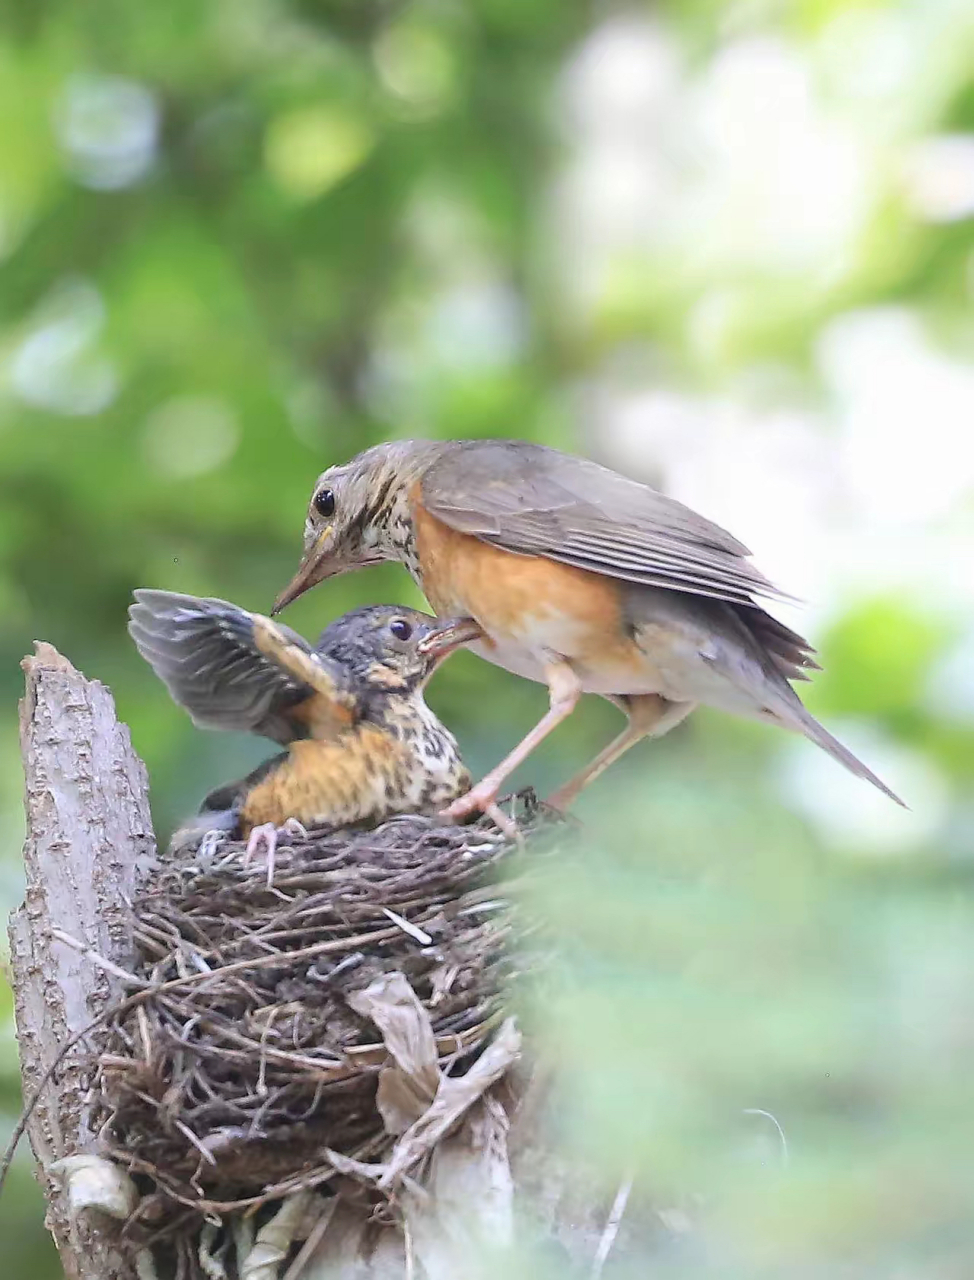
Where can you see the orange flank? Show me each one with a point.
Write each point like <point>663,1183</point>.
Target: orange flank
<point>327,781</point>
<point>578,577</point>
<point>575,613</point>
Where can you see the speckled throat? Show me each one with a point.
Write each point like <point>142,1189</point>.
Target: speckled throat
<point>397,534</point>
<point>389,523</point>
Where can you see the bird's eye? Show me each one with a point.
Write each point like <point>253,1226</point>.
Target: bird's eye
<point>400,628</point>
<point>324,502</point>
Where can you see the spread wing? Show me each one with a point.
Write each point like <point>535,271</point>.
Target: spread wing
<point>236,670</point>
<point>537,501</point>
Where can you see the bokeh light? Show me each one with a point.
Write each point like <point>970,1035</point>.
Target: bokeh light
<point>727,249</point>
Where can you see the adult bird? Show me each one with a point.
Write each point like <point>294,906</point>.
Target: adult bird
<point>579,578</point>
<point>361,743</point>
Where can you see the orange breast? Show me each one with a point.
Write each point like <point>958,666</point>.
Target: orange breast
<point>350,780</point>
<point>528,602</point>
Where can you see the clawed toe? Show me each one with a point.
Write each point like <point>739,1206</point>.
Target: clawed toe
<point>460,809</point>
<point>505,825</point>
<point>483,801</point>
<point>561,800</point>
<point>269,835</point>
<point>476,800</point>
<point>265,834</point>
<point>211,841</point>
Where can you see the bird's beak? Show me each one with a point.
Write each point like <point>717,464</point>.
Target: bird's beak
<point>448,635</point>
<point>315,566</point>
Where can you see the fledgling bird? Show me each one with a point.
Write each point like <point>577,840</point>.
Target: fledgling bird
<point>362,745</point>
<point>579,578</point>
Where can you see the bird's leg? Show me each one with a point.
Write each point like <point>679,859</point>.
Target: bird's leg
<point>650,716</point>
<point>505,825</point>
<point>564,691</point>
<point>269,834</point>
<point>265,834</point>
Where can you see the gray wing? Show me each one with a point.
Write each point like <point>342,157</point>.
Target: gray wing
<point>537,501</point>
<point>235,670</point>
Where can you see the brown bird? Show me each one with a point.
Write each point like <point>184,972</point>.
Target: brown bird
<point>361,742</point>
<point>579,578</point>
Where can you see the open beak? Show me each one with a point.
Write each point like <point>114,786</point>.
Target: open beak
<point>448,635</point>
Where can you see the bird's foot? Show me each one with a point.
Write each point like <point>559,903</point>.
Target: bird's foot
<point>473,801</point>
<point>208,846</point>
<point>270,835</point>
<point>505,825</point>
<point>562,799</point>
<point>265,834</point>
<point>483,799</point>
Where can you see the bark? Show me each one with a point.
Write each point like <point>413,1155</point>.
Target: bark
<point>89,842</point>
<point>89,847</point>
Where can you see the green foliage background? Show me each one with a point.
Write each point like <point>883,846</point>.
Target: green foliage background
<point>226,232</point>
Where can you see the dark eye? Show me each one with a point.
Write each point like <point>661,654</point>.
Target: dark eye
<point>324,502</point>
<point>400,628</point>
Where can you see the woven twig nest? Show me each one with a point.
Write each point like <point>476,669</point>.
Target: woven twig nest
<point>331,1025</point>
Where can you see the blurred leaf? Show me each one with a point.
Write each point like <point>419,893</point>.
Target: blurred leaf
<point>244,240</point>
<point>878,656</point>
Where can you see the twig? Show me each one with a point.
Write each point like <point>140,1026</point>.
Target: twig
<point>410,1252</point>
<point>757,1111</point>
<point>190,1136</point>
<point>91,954</point>
<point>45,1080</point>
<point>314,1239</point>
<point>413,930</point>
<point>611,1229</point>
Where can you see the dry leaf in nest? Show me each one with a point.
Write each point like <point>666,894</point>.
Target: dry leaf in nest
<point>340,1021</point>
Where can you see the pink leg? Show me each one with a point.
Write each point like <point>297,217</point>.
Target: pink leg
<point>564,689</point>
<point>265,834</point>
<point>650,716</point>
<point>505,825</point>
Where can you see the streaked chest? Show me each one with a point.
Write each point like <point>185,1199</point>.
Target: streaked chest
<point>438,773</point>
<point>364,777</point>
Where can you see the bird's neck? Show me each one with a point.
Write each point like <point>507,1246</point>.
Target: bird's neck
<point>391,531</point>
<point>405,714</point>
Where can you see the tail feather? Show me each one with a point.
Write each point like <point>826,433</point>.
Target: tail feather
<point>817,733</point>
<point>783,657</point>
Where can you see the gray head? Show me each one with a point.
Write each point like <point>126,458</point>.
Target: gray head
<point>393,648</point>
<point>358,512</point>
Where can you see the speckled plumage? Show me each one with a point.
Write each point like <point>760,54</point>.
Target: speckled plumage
<point>579,577</point>
<point>361,742</point>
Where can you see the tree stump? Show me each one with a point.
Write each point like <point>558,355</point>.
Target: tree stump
<point>89,845</point>
<point>89,853</point>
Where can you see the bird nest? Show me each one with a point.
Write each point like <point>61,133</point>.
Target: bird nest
<point>331,1024</point>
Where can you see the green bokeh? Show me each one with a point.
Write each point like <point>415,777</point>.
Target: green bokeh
<point>183,347</point>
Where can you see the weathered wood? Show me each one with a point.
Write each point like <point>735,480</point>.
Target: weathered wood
<point>89,846</point>
<point>89,841</point>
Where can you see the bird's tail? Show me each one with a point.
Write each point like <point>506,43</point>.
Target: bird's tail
<point>803,720</point>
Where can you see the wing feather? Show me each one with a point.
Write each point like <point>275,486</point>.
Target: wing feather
<point>235,670</point>
<point>533,500</point>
